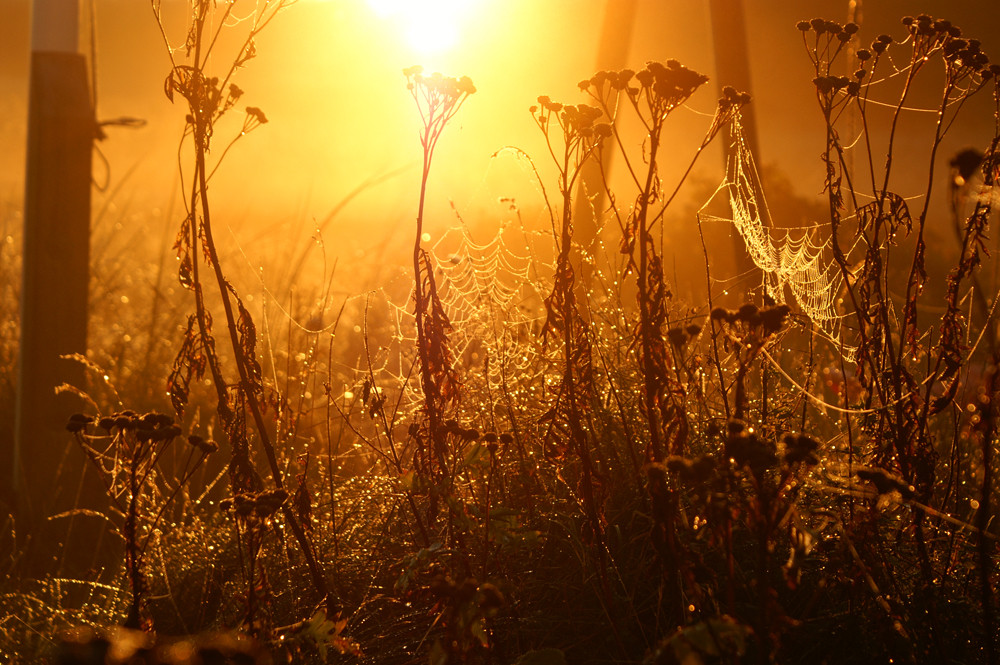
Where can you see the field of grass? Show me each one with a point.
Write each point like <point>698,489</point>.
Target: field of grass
<point>534,448</point>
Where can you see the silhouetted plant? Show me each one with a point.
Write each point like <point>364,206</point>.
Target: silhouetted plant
<point>651,480</point>
<point>910,383</point>
<point>438,99</point>
<point>572,136</point>
<point>127,458</point>
<point>652,94</point>
<point>209,99</point>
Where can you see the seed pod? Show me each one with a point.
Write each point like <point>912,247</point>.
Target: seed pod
<point>78,422</point>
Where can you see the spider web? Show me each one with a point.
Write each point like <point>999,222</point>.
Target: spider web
<point>492,301</point>
<point>793,261</point>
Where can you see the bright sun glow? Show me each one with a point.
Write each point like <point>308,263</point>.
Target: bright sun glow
<point>429,26</point>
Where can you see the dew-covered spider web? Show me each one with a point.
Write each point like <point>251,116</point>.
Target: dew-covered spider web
<point>492,300</point>
<point>795,261</point>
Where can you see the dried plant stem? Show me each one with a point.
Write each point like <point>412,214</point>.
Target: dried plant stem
<point>207,103</point>
<point>133,559</point>
<point>316,573</point>
<point>431,405</point>
<point>650,337</point>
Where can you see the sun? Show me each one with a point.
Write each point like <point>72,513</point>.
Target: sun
<point>428,26</point>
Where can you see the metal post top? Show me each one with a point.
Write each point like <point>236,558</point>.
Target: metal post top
<point>55,26</point>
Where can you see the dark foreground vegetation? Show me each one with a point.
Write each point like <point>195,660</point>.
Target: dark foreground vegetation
<point>560,459</point>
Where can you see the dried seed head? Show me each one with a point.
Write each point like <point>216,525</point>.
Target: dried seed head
<point>800,448</point>
<point>255,113</point>
<point>748,312</point>
<point>749,450</point>
<point>677,337</point>
<point>78,422</point>
<point>885,482</point>
<point>205,446</point>
<point>603,130</point>
<point>773,318</point>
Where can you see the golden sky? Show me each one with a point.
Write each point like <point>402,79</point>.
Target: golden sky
<point>329,77</point>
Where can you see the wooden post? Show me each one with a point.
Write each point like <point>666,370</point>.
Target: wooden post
<point>732,68</point>
<point>855,14</point>
<point>612,54</point>
<point>45,475</point>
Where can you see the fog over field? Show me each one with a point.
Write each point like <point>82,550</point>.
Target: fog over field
<point>501,332</point>
<point>328,76</point>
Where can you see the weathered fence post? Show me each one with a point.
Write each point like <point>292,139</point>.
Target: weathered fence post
<point>732,68</point>
<point>56,255</point>
<point>612,53</point>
